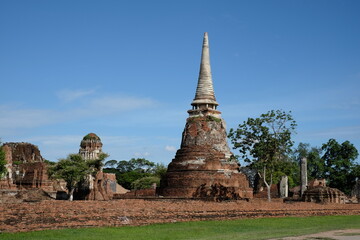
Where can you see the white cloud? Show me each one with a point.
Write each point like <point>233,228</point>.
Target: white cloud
<point>118,104</point>
<point>57,146</point>
<point>141,154</point>
<point>170,148</point>
<point>349,132</point>
<point>56,141</point>
<point>11,117</point>
<point>71,95</point>
<point>120,140</point>
<point>16,117</point>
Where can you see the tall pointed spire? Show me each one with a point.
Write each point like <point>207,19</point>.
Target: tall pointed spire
<point>205,90</point>
<point>203,162</point>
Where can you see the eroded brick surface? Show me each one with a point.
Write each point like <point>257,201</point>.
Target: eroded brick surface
<point>64,214</point>
<point>25,167</point>
<point>203,167</point>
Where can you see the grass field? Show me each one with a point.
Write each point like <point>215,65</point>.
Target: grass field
<point>262,228</point>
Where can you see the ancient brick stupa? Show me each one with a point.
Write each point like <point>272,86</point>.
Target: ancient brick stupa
<point>90,147</point>
<point>203,166</point>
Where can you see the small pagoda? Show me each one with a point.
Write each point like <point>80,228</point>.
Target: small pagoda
<point>204,166</point>
<point>90,147</point>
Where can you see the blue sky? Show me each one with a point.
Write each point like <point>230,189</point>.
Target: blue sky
<point>127,70</point>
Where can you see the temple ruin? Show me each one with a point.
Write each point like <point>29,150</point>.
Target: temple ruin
<point>102,186</point>
<point>204,166</point>
<point>323,194</point>
<point>90,147</point>
<point>25,167</point>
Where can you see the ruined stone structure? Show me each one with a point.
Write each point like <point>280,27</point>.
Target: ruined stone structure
<point>284,187</point>
<point>102,186</point>
<point>321,194</point>
<point>7,180</point>
<point>25,167</point>
<point>356,191</point>
<point>303,176</point>
<point>203,166</point>
<point>90,147</point>
<point>317,183</point>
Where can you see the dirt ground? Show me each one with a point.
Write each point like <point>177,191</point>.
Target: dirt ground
<point>51,214</point>
<point>347,234</point>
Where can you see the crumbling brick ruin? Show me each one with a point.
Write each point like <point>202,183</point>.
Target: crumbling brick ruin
<point>103,188</point>
<point>26,168</point>
<point>90,147</point>
<point>321,194</point>
<point>204,166</point>
<point>103,185</point>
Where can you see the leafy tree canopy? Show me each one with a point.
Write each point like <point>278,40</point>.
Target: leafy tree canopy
<point>340,166</point>
<point>111,163</point>
<point>75,169</point>
<point>2,161</point>
<point>145,182</point>
<point>127,172</point>
<point>334,162</point>
<point>265,142</point>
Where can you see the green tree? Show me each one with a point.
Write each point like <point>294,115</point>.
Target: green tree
<point>287,167</point>
<point>127,178</point>
<point>145,182</point>
<point>74,169</point>
<point>2,162</point>
<point>127,172</point>
<point>334,162</point>
<point>315,165</point>
<point>340,166</point>
<point>124,166</point>
<point>160,170</point>
<point>134,169</point>
<point>141,165</point>
<point>95,165</point>
<point>265,142</point>
<point>111,163</point>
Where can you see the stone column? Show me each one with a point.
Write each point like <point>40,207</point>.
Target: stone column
<point>284,187</point>
<point>303,175</point>
<point>356,190</point>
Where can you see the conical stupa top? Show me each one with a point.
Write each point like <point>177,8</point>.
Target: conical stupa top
<point>205,90</point>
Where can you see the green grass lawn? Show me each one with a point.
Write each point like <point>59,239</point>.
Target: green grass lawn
<point>262,228</point>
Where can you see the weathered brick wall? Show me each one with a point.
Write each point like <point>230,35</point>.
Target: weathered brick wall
<point>65,214</point>
<point>26,167</point>
<point>103,187</point>
<point>322,194</point>
<point>274,192</point>
<point>202,166</point>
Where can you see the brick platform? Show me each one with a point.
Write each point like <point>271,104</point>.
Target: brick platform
<point>64,214</point>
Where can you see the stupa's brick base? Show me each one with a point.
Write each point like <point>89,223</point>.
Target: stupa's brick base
<point>206,184</point>
<point>202,167</point>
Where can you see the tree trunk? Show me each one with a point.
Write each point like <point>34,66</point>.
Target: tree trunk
<point>71,194</point>
<point>267,185</point>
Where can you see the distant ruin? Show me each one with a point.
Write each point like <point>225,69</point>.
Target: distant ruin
<point>90,147</point>
<point>102,186</point>
<point>27,175</point>
<point>322,194</point>
<point>26,168</point>
<point>204,167</point>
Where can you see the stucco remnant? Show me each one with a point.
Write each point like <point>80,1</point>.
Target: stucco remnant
<point>204,166</point>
